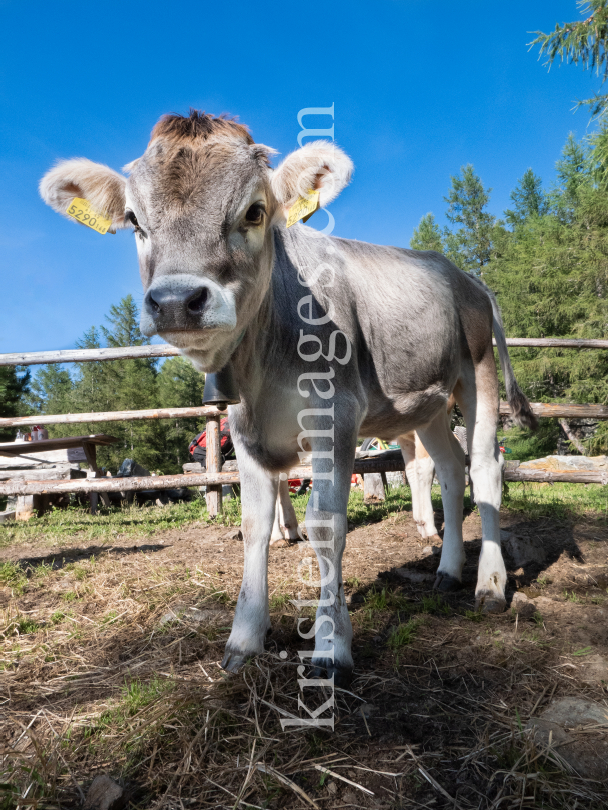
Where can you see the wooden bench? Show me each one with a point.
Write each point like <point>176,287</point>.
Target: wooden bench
<point>50,461</point>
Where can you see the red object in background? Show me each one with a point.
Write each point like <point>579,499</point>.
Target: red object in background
<point>296,483</point>
<point>201,439</point>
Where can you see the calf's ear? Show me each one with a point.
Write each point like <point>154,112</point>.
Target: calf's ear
<point>101,186</point>
<point>318,165</point>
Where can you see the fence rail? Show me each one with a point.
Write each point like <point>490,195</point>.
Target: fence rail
<point>562,410</point>
<point>110,416</point>
<point>133,352</point>
<point>86,355</point>
<point>213,479</point>
<point>546,410</point>
<point>219,479</point>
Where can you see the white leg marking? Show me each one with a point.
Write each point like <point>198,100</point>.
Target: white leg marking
<point>251,617</point>
<point>277,533</point>
<point>425,468</point>
<point>408,451</point>
<point>479,406</point>
<point>326,525</point>
<point>450,471</point>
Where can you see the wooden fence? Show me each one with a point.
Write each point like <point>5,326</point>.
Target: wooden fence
<point>214,478</point>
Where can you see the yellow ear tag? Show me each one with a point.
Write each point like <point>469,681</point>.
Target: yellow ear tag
<point>81,210</point>
<point>303,208</point>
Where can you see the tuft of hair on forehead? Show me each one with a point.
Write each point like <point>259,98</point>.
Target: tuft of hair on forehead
<point>198,126</point>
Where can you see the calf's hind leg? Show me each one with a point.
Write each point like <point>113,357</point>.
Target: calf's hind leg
<point>478,400</point>
<point>420,471</point>
<point>438,440</point>
<point>285,528</point>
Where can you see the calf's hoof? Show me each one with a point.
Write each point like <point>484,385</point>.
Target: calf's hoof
<point>488,602</point>
<point>324,668</point>
<point>234,660</point>
<point>446,582</point>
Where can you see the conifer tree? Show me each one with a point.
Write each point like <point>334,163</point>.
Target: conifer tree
<point>124,385</point>
<point>551,279</point>
<point>427,235</point>
<point>573,171</point>
<point>529,199</point>
<point>470,246</point>
<point>52,391</point>
<point>180,385</point>
<point>14,382</point>
<point>108,386</point>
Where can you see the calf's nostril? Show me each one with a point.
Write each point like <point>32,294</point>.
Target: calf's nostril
<point>154,304</point>
<point>197,303</point>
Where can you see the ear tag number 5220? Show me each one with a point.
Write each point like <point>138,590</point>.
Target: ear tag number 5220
<point>81,210</point>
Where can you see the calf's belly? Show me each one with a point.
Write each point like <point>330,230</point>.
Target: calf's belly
<point>388,419</point>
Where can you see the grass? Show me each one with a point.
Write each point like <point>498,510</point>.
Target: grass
<point>378,601</point>
<point>151,706</point>
<point>279,601</point>
<point>13,577</point>
<point>112,524</point>
<point>403,634</point>
<point>24,625</point>
<point>135,697</point>
<point>59,616</point>
<point>559,501</point>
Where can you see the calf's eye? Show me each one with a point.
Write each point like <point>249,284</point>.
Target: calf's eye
<point>255,214</point>
<point>130,217</point>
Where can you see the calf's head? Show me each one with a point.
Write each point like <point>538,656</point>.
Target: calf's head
<point>202,201</point>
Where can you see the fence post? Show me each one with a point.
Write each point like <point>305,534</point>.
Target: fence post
<point>214,465</point>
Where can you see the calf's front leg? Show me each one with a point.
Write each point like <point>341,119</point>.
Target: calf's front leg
<point>251,617</point>
<point>326,525</point>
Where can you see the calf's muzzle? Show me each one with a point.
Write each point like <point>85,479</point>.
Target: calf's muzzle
<point>171,309</point>
<point>182,302</point>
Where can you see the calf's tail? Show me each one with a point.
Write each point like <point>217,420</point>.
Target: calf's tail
<point>518,401</point>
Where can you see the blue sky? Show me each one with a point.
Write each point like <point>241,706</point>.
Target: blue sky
<point>420,88</point>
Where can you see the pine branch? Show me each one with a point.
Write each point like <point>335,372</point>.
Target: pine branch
<point>583,42</point>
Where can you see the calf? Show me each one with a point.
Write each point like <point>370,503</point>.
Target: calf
<point>317,357</point>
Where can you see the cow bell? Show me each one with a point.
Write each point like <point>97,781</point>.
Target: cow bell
<point>221,389</point>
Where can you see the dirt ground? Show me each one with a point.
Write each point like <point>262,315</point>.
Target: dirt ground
<point>111,665</point>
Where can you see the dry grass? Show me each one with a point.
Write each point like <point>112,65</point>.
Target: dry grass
<point>106,670</point>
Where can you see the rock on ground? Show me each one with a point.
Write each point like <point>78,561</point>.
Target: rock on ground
<point>522,550</point>
<point>585,751</point>
<point>523,606</point>
<point>594,669</point>
<point>233,534</point>
<point>104,794</point>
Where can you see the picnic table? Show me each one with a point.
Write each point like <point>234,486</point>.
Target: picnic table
<point>80,448</point>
